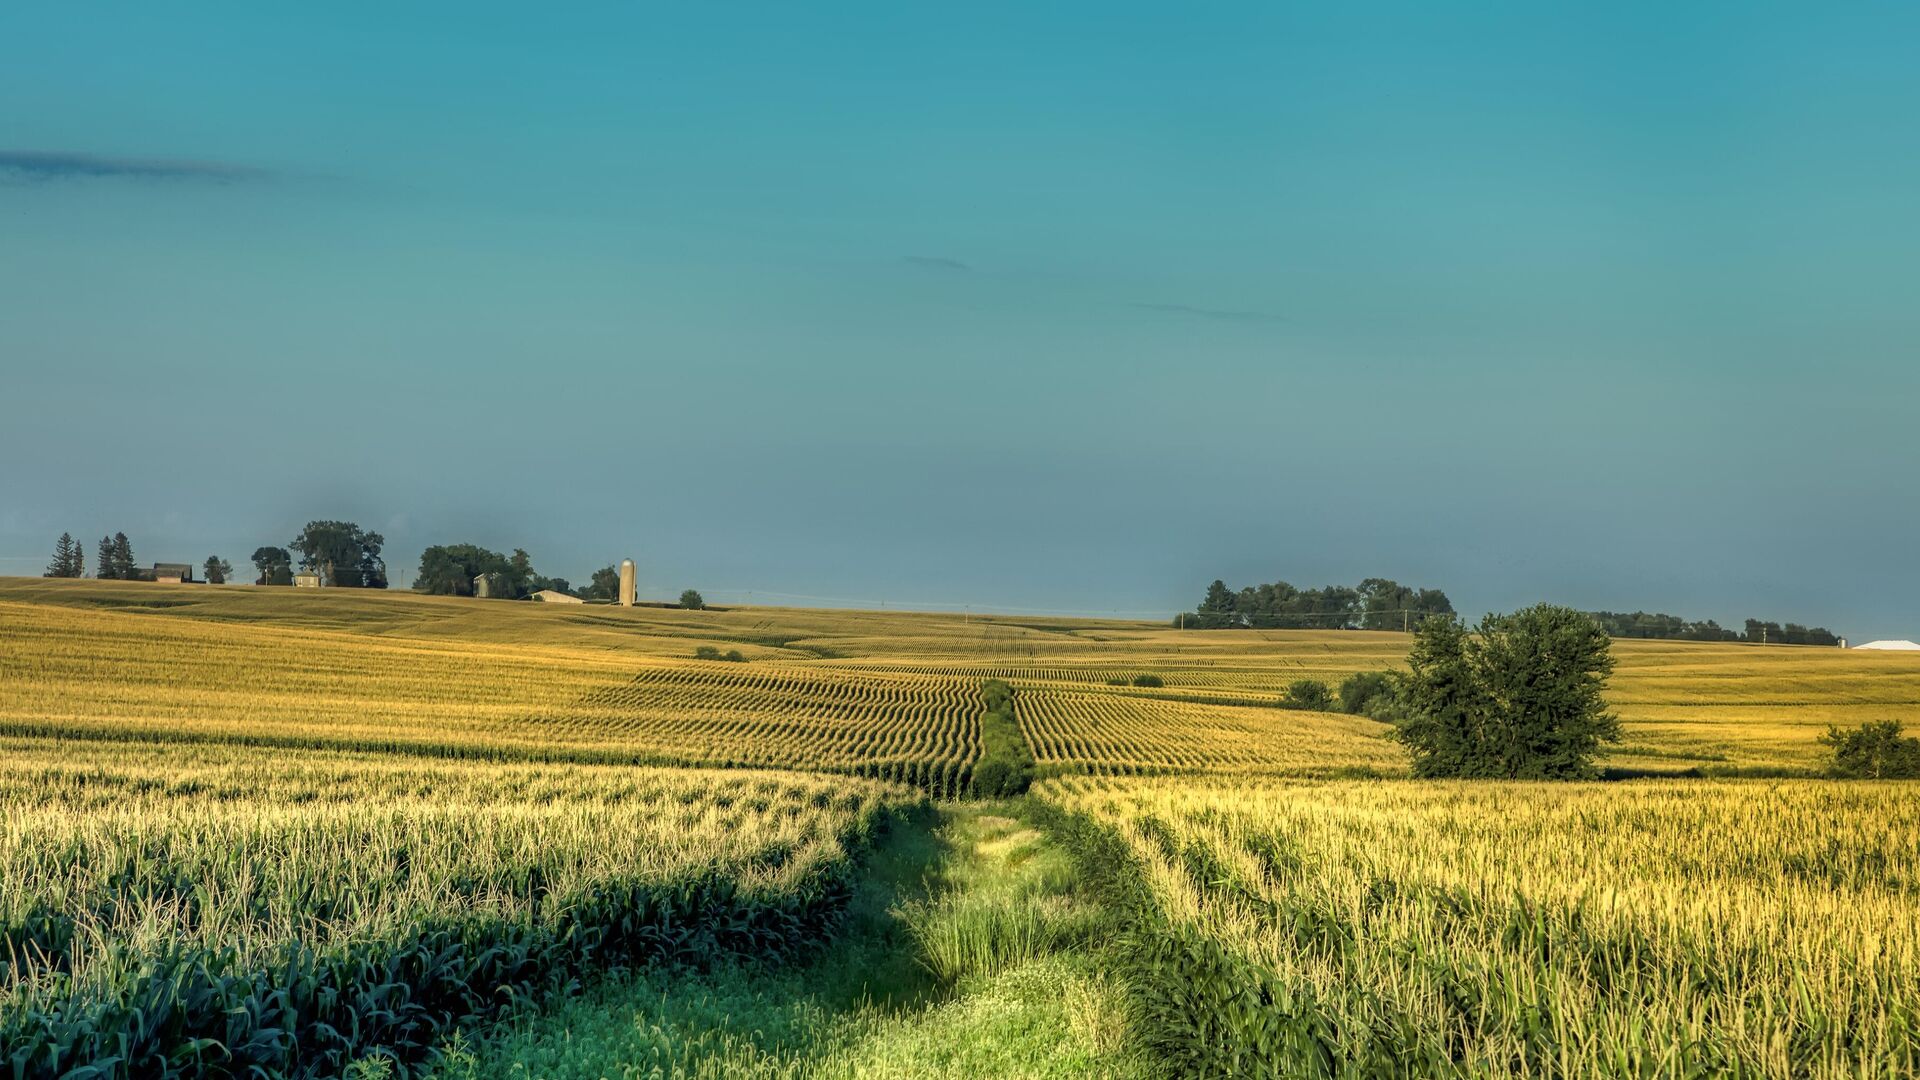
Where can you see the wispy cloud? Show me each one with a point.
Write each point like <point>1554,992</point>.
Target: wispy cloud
<point>935,262</point>
<point>67,165</point>
<point>1217,314</point>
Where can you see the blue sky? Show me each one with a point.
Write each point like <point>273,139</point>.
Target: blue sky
<point>1070,309</point>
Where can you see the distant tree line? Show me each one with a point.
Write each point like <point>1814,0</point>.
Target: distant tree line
<point>114,561</point>
<point>1375,604</point>
<point>1641,624</point>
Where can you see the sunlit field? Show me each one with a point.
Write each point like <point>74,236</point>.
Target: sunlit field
<point>242,828</point>
<point>306,907</point>
<point>886,693</point>
<point>1670,928</point>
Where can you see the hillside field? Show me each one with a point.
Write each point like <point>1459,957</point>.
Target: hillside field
<point>275,832</point>
<point>891,695</point>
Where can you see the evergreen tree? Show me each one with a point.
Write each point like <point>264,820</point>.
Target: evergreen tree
<point>123,558</point>
<point>103,564</point>
<point>68,559</point>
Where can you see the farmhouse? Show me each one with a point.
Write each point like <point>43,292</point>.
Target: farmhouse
<point>172,573</point>
<point>306,579</point>
<point>554,596</point>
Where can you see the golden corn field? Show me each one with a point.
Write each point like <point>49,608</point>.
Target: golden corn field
<point>305,906</point>
<point>887,693</point>
<point>241,828</point>
<point>1671,928</point>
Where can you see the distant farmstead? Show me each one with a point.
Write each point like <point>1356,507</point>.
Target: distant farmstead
<point>172,573</point>
<point>306,579</point>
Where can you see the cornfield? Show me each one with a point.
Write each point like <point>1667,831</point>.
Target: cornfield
<point>1673,929</point>
<point>879,694</point>
<point>214,910</point>
<point>267,832</point>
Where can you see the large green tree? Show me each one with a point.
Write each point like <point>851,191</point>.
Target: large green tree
<point>103,564</point>
<point>1519,698</point>
<point>218,570</point>
<point>1873,751</point>
<point>342,553</point>
<point>450,569</point>
<point>604,586</point>
<point>275,565</point>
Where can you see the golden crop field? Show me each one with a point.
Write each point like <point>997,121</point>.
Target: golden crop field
<point>886,693</point>
<point>1118,732</point>
<point>341,821</point>
<point>1654,928</point>
<point>299,906</point>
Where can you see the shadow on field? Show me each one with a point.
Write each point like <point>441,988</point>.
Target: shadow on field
<point>741,1018</point>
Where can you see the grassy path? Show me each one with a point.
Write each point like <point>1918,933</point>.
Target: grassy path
<point>969,951</point>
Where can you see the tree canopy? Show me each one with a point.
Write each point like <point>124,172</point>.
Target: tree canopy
<point>604,586</point>
<point>342,553</point>
<point>692,600</point>
<point>1377,604</point>
<point>451,570</point>
<point>1873,751</point>
<point>275,565</point>
<point>1519,698</point>
<point>1642,624</point>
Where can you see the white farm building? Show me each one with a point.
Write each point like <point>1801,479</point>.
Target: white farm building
<point>1890,646</point>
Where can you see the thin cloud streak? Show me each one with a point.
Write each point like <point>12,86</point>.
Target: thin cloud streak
<point>1217,314</point>
<point>54,165</point>
<point>935,262</point>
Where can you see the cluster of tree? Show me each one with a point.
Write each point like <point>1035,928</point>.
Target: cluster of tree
<point>1642,624</point>
<point>709,652</point>
<point>275,565</point>
<point>1376,604</point>
<point>342,554</point>
<point>113,560</point>
<point>69,558</point>
<point>1772,633</point>
<point>1006,764</point>
<point>605,585</point>
<point>461,569</point>
<point>1874,751</point>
